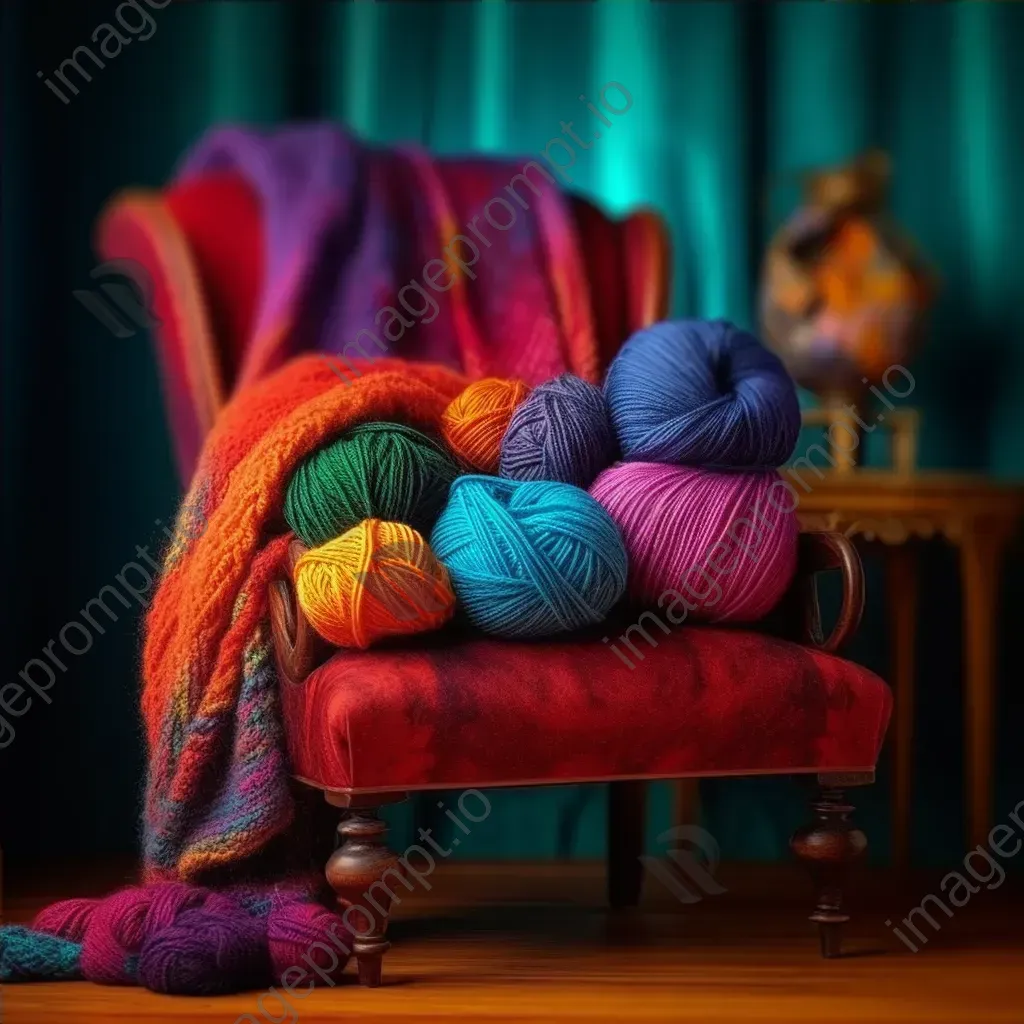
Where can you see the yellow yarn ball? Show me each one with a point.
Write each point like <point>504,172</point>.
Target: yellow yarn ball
<point>376,580</point>
<point>475,421</point>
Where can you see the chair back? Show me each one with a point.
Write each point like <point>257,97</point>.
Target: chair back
<point>200,243</point>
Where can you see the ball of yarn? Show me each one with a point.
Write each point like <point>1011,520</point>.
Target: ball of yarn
<point>561,432</point>
<point>121,924</point>
<point>475,421</point>
<point>299,929</point>
<point>723,545</point>
<point>182,939</point>
<point>529,558</point>
<point>376,470</point>
<point>67,919</point>
<point>206,951</point>
<point>702,393</point>
<point>376,580</point>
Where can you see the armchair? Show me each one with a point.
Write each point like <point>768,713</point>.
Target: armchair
<point>468,712</point>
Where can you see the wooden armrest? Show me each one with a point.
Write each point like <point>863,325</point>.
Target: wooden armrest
<point>298,650</point>
<point>297,647</point>
<point>798,616</point>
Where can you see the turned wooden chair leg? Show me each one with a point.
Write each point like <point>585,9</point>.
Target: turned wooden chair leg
<point>356,865</point>
<point>627,804</point>
<point>828,847</point>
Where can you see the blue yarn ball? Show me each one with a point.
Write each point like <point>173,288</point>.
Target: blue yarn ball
<point>702,393</point>
<point>561,432</point>
<point>529,558</point>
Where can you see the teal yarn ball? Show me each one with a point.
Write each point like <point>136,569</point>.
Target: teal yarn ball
<point>374,471</point>
<point>529,558</point>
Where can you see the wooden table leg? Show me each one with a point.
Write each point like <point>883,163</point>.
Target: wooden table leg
<point>901,600</point>
<point>686,802</point>
<point>980,552</point>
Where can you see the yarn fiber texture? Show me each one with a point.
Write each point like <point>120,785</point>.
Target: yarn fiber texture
<point>297,929</point>
<point>120,924</point>
<point>475,421</point>
<point>713,543</point>
<point>67,918</point>
<point>561,432</point>
<point>529,558</point>
<point>206,953</point>
<point>375,470</point>
<point>376,580</point>
<point>702,393</point>
<point>27,955</point>
<point>178,939</point>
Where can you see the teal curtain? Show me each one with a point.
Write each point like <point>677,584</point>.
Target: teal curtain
<point>730,102</point>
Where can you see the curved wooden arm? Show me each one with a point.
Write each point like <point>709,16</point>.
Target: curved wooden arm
<point>798,616</point>
<point>297,647</point>
<point>298,650</point>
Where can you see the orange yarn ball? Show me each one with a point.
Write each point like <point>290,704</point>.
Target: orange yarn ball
<point>376,580</point>
<point>475,422</point>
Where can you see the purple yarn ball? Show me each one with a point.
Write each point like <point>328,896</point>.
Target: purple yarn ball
<point>206,952</point>
<point>562,432</point>
<point>702,393</point>
<point>122,922</point>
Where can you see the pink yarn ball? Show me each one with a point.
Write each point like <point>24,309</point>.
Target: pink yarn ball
<point>704,545</point>
<point>302,929</point>
<point>67,919</point>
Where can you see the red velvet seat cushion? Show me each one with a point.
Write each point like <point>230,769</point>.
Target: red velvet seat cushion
<point>482,712</point>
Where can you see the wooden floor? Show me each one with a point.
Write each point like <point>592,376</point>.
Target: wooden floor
<point>533,943</point>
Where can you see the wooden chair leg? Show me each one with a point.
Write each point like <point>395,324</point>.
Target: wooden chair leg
<point>361,860</point>
<point>627,813</point>
<point>828,847</point>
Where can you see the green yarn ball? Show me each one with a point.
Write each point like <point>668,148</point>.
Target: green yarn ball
<point>374,471</point>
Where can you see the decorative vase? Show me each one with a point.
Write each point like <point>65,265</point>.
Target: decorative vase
<point>843,294</point>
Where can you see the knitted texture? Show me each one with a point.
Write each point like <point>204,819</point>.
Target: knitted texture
<point>26,955</point>
<point>529,558</point>
<point>217,788</point>
<point>181,939</point>
<point>374,581</point>
<point>374,471</point>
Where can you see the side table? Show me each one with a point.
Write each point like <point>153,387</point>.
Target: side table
<point>979,517</point>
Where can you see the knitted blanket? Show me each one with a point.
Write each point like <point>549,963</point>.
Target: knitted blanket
<point>218,787</point>
<point>472,263</point>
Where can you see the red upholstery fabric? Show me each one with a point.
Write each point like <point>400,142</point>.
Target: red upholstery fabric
<point>477,712</point>
<point>220,216</point>
<point>601,247</point>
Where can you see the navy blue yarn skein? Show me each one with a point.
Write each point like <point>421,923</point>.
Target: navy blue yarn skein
<point>702,393</point>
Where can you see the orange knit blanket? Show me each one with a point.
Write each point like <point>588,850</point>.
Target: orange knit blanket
<point>217,788</point>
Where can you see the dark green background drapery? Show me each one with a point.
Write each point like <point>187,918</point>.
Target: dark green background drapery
<point>730,100</point>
